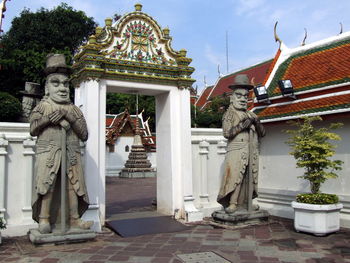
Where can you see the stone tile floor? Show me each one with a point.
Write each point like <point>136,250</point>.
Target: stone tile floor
<point>275,241</point>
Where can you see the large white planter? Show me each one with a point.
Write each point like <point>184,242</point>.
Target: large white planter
<point>316,219</point>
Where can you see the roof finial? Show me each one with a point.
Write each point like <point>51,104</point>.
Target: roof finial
<point>341,28</point>
<point>252,81</point>
<point>219,70</point>
<point>138,7</point>
<point>277,39</point>
<point>303,43</point>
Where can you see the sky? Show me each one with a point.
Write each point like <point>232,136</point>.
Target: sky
<point>203,26</point>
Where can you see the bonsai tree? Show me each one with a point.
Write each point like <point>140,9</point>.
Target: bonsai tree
<point>312,150</point>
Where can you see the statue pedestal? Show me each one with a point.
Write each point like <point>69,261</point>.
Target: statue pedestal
<point>240,217</point>
<point>56,237</point>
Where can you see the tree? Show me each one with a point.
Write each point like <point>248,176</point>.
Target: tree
<point>11,107</point>
<point>211,117</point>
<point>32,36</point>
<point>117,103</point>
<point>313,151</point>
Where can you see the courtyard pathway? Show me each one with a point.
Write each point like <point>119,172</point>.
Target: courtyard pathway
<point>275,241</point>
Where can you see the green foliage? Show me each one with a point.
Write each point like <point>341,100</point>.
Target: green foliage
<point>313,151</point>
<point>35,34</point>
<point>317,199</point>
<point>117,103</point>
<point>11,108</point>
<point>2,223</point>
<point>211,117</point>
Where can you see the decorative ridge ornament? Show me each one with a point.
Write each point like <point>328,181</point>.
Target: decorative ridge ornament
<point>341,28</point>
<point>277,39</point>
<point>305,36</point>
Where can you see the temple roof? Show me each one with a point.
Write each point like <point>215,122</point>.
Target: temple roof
<point>204,97</point>
<point>320,74</point>
<point>257,73</point>
<point>125,124</point>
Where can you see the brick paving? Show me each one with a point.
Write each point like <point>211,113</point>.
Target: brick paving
<point>275,241</point>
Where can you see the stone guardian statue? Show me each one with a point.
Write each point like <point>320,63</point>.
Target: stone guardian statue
<point>242,129</point>
<point>59,126</point>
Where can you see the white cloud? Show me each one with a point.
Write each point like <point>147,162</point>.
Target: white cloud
<point>245,7</point>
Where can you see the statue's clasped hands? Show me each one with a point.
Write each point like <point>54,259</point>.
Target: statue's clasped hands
<point>61,117</point>
<point>250,120</point>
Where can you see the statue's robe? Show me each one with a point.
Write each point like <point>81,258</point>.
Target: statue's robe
<point>49,155</point>
<point>237,157</point>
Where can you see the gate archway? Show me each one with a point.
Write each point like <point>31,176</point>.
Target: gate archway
<point>135,55</point>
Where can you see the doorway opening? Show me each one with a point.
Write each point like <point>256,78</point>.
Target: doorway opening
<point>129,192</point>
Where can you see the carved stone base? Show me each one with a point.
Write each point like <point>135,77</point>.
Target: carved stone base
<point>127,174</point>
<point>240,217</point>
<point>56,237</point>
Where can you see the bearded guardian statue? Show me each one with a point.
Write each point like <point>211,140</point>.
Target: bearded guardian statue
<point>242,129</point>
<point>55,120</point>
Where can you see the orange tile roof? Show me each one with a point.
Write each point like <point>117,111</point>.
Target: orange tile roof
<point>272,65</point>
<point>203,97</point>
<point>312,69</point>
<point>258,72</point>
<point>305,107</point>
<point>315,68</point>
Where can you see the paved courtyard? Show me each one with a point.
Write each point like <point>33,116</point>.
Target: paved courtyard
<point>275,241</point>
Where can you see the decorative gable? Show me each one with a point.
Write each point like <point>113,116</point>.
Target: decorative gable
<point>134,48</point>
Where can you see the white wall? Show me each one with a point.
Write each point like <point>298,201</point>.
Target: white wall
<point>208,154</point>
<point>16,177</point>
<point>278,175</point>
<point>278,182</point>
<point>115,160</point>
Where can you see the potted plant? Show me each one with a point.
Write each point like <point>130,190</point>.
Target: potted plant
<point>315,212</point>
<point>2,226</point>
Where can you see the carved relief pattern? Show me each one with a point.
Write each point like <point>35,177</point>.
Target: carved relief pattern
<point>138,42</point>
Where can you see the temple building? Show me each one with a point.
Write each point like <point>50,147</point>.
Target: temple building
<point>120,132</point>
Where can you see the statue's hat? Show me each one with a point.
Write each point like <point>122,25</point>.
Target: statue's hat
<point>241,81</point>
<point>56,63</point>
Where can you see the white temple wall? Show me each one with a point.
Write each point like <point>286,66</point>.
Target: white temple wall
<point>278,182</point>
<point>115,160</point>
<point>16,177</point>
<point>208,154</point>
<point>278,177</point>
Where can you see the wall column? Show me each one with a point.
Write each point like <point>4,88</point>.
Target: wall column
<point>203,153</point>
<point>3,145</point>
<point>29,154</point>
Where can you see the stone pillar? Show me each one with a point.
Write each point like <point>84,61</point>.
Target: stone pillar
<point>174,156</point>
<point>203,153</point>
<point>3,153</point>
<point>29,154</point>
<point>90,97</point>
<point>221,147</point>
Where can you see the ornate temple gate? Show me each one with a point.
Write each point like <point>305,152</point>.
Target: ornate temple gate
<point>134,55</point>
